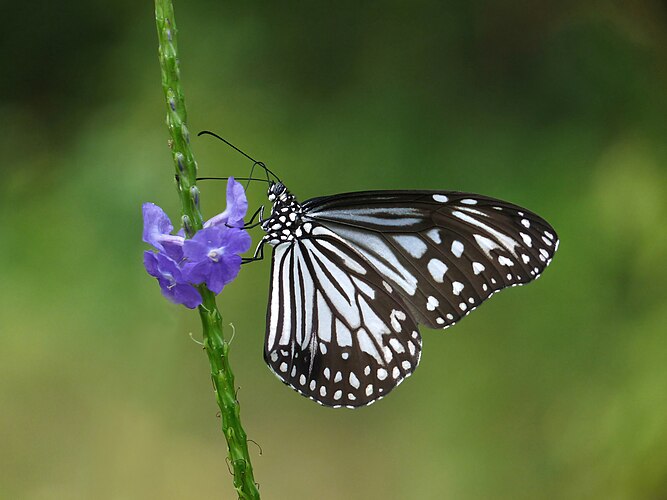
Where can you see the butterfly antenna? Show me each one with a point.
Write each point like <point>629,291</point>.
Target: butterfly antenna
<point>252,170</point>
<point>255,162</point>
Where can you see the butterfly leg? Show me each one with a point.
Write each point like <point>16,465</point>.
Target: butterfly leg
<point>258,255</point>
<point>250,224</point>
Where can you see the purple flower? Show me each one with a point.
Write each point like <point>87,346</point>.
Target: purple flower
<point>237,206</point>
<point>212,255</point>
<point>170,278</point>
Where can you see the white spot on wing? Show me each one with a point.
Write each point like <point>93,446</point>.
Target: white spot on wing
<point>395,317</point>
<point>384,216</point>
<point>363,286</point>
<point>440,198</point>
<point>372,321</point>
<point>411,244</point>
<point>354,381</point>
<point>278,255</point>
<point>367,345</point>
<point>434,235</point>
<point>504,239</point>
<point>457,286</point>
<point>457,248</point>
<point>437,268</point>
<point>343,335</point>
<point>504,261</point>
<point>526,239</point>
<point>396,345</point>
<point>486,244</point>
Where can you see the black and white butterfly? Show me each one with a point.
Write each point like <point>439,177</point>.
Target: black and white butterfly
<point>354,274</point>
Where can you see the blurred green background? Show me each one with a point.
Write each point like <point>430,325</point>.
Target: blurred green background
<point>556,390</point>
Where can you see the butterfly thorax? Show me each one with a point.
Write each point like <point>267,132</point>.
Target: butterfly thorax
<point>285,223</point>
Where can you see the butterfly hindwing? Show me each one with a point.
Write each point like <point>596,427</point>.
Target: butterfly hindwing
<point>337,331</point>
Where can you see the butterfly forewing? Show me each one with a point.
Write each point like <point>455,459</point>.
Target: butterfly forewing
<point>443,252</point>
<point>337,331</point>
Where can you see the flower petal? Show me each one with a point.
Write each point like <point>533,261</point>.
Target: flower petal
<point>156,224</point>
<point>187,295</point>
<point>197,272</point>
<point>237,241</point>
<point>171,280</point>
<point>223,272</point>
<point>150,263</point>
<point>196,249</point>
<point>237,203</point>
<point>237,206</point>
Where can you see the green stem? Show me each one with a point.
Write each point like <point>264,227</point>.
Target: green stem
<point>215,345</point>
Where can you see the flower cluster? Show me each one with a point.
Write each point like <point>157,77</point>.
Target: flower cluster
<point>210,257</point>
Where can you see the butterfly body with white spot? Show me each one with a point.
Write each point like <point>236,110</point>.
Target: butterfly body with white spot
<point>285,223</point>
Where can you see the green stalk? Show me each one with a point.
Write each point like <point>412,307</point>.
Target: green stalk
<point>215,344</point>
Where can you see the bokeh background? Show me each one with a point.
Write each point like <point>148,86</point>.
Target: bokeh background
<point>555,390</point>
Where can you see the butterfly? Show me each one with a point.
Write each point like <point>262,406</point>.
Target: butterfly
<point>354,274</point>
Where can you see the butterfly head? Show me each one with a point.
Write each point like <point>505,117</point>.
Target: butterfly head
<point>278,193</point>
